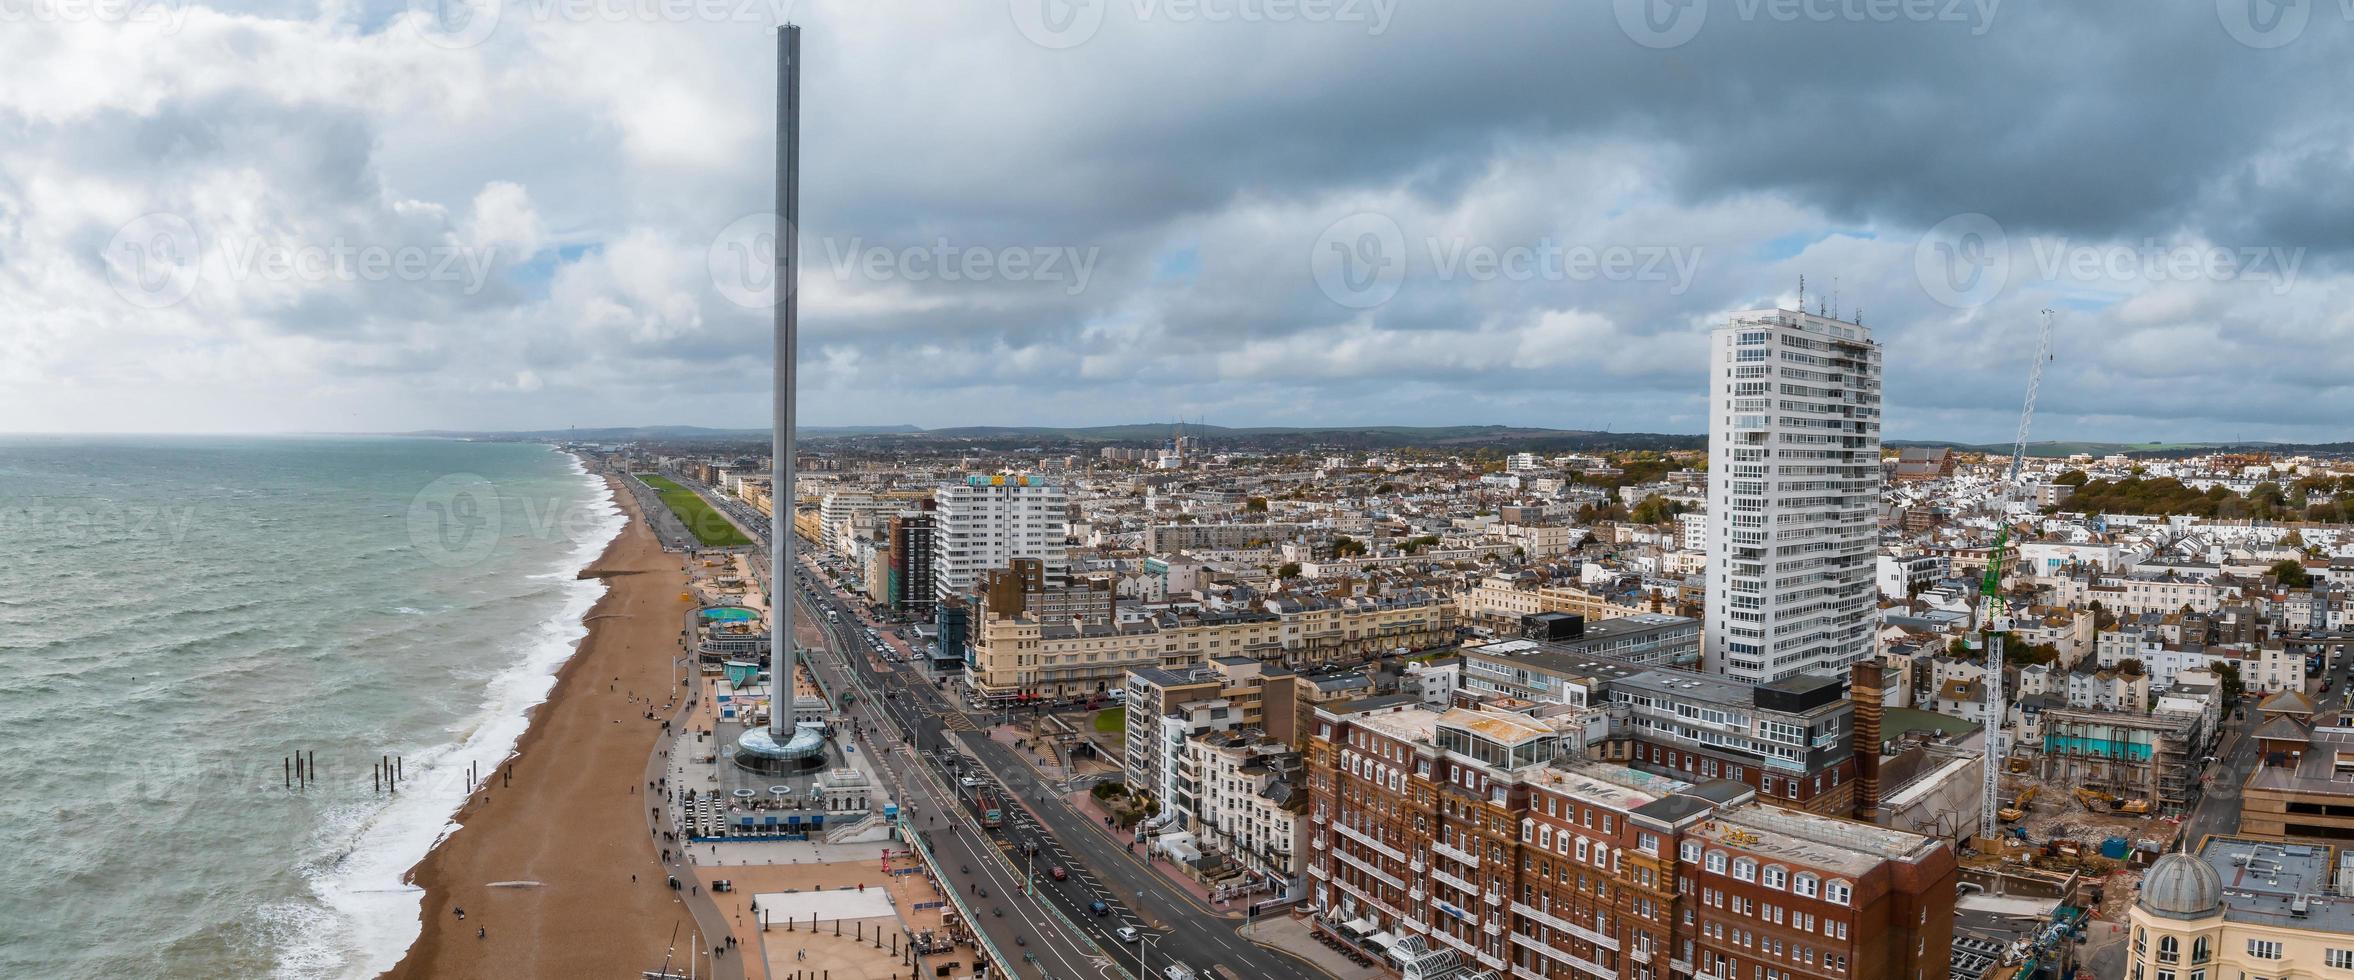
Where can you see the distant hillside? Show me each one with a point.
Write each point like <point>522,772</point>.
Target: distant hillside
<point>1351,437</point>
<point>1296,438</point>
<point>659,433</point>
<point>2058,448</point>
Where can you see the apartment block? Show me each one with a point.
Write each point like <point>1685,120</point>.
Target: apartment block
<point>909,589</point>
<point>1166,707</point>
<point>1793,494</point>
<point>1792,740</point>
<point>1018,655</point>
<point>987,521</point>
<point>1166,538</point>
<point>1468,840</point>
<point>1501,601</point>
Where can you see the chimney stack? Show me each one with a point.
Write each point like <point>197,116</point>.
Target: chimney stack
<point>1864,690</point>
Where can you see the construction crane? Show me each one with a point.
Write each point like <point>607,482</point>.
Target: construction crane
<point>1993,618</point>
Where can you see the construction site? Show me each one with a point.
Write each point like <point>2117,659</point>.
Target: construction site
<point>2051,831</point>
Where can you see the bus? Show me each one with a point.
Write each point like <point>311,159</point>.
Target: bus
<point>983,805</point>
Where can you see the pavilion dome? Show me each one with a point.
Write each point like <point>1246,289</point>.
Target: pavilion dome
<point>2180,886</point>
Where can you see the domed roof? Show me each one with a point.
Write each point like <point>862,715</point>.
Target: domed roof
<point>2180,886</point>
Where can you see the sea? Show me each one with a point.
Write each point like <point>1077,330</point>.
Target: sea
<point>180,616</point>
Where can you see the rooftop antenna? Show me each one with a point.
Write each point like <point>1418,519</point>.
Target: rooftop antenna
<point>1802,292</point>
<point>1834,296</point>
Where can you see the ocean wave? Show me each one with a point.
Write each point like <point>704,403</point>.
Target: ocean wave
<point>360,873</point>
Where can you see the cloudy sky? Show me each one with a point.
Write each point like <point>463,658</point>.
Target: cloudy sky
<point>337,215</point>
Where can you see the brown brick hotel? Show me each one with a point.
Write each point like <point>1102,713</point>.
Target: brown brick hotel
<point>1469,843</point>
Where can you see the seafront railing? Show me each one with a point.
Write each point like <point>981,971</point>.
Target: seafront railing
<point>997,959</point>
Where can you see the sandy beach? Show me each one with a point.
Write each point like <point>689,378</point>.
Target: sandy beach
<point>572,818</point>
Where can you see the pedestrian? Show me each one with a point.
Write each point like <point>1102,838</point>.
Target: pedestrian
<point>481,932</point>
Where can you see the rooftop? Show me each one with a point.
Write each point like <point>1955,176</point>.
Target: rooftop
<point>2325,768</point>
<point>1406,720</point>
<point>2265,881</point>
<point>1500,726</point>
<point>1833,845</point>
<point>1614,786</point>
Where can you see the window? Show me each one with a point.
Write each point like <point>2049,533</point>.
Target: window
<point>1777,877</point>
<point>2199,950</point>
<point>2169,949</point>
<point>1804,885</point>
<point>1691,850</point>
<point>1648,842</point>
<point>1716,862</point>
<point>2264,949</point>
<point>2338,959</point>
<point>1837,892</point>
<point>1745,870</point>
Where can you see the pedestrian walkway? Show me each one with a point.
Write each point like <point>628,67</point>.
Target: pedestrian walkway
<point>1293,935</point>
<point>1169,870</point>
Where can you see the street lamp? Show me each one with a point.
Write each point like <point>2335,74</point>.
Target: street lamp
<point>1144,944</point>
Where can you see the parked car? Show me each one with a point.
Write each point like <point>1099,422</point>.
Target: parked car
<point>1057,873</point>
<point>1099,908</point>
<point>1127,934</point>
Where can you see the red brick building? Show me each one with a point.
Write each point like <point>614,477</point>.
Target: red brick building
<point>1466,842</point>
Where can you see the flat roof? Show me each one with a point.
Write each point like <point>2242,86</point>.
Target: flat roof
<point>1840,846</point>
<point>1543,657</point>
<point>1411,724</point>
<point>2264,880</point>
<point>1501,726</point>
<point>1598,782</point>
<point>2316,771</point>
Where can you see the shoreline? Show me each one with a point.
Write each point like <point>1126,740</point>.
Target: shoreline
<point>567,819</point>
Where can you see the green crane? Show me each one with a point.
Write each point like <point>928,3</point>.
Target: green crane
<point>1991,619</point>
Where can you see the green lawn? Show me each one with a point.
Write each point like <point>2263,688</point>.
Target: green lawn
<point>1111,720</point>
<point>708,525</point>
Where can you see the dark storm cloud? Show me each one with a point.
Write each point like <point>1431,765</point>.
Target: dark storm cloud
<point>1204,168</point>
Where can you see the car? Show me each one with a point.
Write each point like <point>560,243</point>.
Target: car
<point>1099,908</point>
<point>970,781</point>
<point>1057,873</point>
<point>1127,934</point>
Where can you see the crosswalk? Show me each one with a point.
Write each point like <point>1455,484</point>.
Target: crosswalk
<point>955,721</point>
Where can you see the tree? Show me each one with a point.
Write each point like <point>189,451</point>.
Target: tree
<point>2233,688</point>
<point>1289,569</point>
<point>1255,505</point>
<point>2072,478</point>
<point>1344,546</point>
<point>1656,509</point>
<point>2291,573</point>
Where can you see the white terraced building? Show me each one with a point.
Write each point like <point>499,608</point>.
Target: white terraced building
<point>1793,494</point>
<point>985,522</point>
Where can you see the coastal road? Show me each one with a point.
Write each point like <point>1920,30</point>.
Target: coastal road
<point>1016,923</point>
<point>1194,931</point>
<point>1174,925</point>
